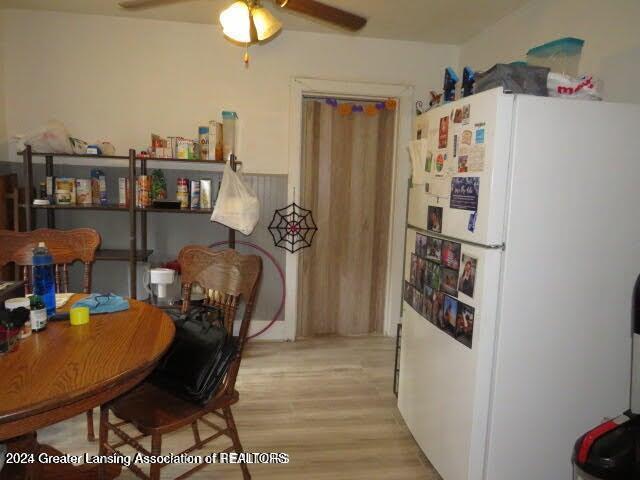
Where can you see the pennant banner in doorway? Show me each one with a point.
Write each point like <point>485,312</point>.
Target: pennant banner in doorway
<point>369,109</point>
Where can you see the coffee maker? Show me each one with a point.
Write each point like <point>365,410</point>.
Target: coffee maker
<point>611,451</point>
<point>161,278</point>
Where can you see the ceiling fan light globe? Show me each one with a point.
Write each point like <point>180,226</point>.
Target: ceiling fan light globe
<point>236,22</point>
<point>266,24</point>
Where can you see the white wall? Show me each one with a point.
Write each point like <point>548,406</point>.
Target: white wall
<point>121,79</point>
<point>610,31</point>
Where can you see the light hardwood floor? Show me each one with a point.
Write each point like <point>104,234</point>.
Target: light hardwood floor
<point>326,401</point>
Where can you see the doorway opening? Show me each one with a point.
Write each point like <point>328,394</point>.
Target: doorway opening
<point>347,172</point>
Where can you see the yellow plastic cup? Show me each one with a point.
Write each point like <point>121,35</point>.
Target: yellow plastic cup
<point>79,315</point>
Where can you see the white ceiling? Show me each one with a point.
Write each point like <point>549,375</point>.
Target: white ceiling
<point>438,21</point>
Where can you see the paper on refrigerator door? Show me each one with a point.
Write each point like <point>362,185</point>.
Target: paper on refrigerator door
<point>439,187</point>
<point>420,161</point>
<point>438,182</point>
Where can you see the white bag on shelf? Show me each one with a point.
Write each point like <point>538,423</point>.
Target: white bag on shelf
<point>237,205</point>
<point>53,137</point>
<point>50,138</point>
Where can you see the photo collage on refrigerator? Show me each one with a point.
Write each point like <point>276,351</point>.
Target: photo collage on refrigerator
<point>454,153</point>
<point>439,271</point>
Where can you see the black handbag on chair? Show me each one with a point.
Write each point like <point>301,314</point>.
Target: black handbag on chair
<point>198,358</point>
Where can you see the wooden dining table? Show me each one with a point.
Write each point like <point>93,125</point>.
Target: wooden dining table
<point>66,370</point>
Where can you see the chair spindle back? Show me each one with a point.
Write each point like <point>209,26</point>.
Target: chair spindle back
<point>65,246</point>
<point>227,278</point>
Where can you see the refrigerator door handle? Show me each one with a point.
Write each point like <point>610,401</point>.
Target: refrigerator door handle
<point>500,246</point>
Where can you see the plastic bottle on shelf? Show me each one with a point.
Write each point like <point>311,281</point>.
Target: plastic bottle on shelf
<point>43,278</point>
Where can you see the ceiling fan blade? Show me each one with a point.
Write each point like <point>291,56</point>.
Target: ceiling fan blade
<point>325,12</point>
<point>139,4</point>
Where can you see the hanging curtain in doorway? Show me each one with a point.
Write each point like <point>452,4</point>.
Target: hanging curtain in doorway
<point>347,171</point>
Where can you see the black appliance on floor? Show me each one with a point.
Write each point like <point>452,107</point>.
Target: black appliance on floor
<point>611,451</point>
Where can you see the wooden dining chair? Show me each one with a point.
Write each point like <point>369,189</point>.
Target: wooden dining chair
<point>66,247</point>
<point>228,278</point>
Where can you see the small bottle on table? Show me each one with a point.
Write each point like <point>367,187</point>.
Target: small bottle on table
<point>38,316</point>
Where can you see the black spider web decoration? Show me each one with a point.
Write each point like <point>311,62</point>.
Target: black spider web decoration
<point>292,228</point>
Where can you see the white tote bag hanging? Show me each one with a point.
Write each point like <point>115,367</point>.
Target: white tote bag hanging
<point>237,205</point>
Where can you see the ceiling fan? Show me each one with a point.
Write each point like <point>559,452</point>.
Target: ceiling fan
<point>248,22</point>
<point>312,8</point>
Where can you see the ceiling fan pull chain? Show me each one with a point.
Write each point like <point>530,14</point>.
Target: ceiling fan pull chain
<point>246,56</point>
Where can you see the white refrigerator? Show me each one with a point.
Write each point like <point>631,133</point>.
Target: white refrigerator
<point>522,250</point>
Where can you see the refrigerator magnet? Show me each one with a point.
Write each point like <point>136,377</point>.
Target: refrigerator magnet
<point>467,281</point>
<point>480,136</point>
<point>464,193</point>
<point>417,301</point>
<point>421,245</point>
<point>472,222</point>
<point>441,158</point>
<point>463,164</point>
<point>428,303</point>
<point>449,282</point>
<point>428,161</point>
<point>450,253</point>
<point>450,308</point>
<point>408,292</point>
<point>466,114</point>
<point>423,306</point>
<point>437,313</point>
<point>421,273</point>
<point>443,132</point>
<point>434,249</point>
<point>434,219</point>
<point>413,269</point>
<point>474,158</point>
<point>433,275</point>
<point>464,324</point>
